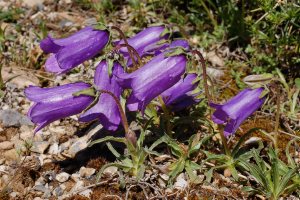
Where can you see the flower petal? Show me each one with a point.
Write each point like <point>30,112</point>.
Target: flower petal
<point>54,94</point>
<point>106,109</point>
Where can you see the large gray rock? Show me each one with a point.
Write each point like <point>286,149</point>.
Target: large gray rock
<point>12,118</point>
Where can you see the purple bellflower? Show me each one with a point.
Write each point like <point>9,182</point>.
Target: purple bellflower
<point>69,52</point>
<point>142,39</point>
<point>51,104</point>
<point>149,81</point>
<point>181,95</point>
<point>237,109</point>
<point>106,109</point>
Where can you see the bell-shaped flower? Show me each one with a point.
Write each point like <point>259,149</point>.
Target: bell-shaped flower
<point>182,94</point>
<point>106,109</point>
<point>237,109</point>
<point>149,81</point>
<point>51,104</point>
<point>141,40</point>
<point>69,52</point>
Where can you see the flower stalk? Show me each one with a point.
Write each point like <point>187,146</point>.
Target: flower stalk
<point>224,141</point>
<point>126,43</point>
<point>1,79</point>
<point>166,115</point>
<point>202,61</point>
<point>277,117</point>
<point>129,47</point>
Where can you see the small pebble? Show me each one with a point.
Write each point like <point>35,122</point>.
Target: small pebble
<point>62,177</point>
<point>86,172</point>
<point>40,147</point>
<point>6,145</point>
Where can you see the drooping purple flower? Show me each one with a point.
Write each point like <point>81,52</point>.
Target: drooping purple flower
<point>106,109</point>
<point>51,104</point>
<point>157,48</point>
<point>69,52</point>
<point>181,95</point>
<point>149,81</point>
<point>142,39</point>
<point>237,109</point>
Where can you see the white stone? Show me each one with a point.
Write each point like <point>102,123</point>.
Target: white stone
<point>82,142</point>
<point>6,145</point>
<point>87,193</point>
<point>180,183</point>
<point>62,177</point>
<point>40,147</point>
<point>109,171</point>
<point>77,186</point>
<point>164,177</point>
<point>32,3</point>
<point>86,172</point>
<point>3,169</point>
<point>54,149</point>
<point>75,177</point>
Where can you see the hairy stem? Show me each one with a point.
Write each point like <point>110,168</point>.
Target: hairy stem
<point>126,42</point>
<point>129,135</point>
<point>167,116</point>
<point>202,61</point>
<point>1,79</point>
<point>277,117</point>
<point>136,54</point>
<point>224,140</point>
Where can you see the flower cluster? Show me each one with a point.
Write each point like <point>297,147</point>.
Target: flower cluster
<point>164,75</point>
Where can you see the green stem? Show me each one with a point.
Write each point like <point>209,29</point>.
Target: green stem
<point>202,60</point>
<point>277,117</point>
<point>1,79</point>
<point>224,141</point>
<point>214,22</point>
<point>126,42</point>
<point>167,116</point>
<point>294,101</point>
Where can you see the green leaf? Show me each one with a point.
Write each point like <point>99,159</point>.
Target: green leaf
<point>241,141</point>
<point>196,147</point>
<point>150,152</point>
<point>113,150</point>
<point>88,92</point>
<point>175,169</point>
<point>108,138</point>
<point>110,65</point>
<point>100,26</point>
<point>261,79</point>
<point>141,139</point>
<point>175,52</point>
<point>264,93</point>
<point>165,32</point>
<point>141,172</point>
<point>209,174</point>
<point>275,175</point>
<point>248,189</point>
<point>161,140</point>
<point>282,79</point>
<point>99,174</point>
<point>190,167</point>
<point>291,161</point>
<point>287,177</point>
